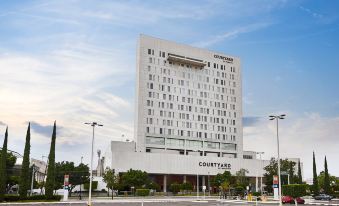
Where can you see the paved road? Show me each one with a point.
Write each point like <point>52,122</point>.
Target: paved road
<point>168,202</point>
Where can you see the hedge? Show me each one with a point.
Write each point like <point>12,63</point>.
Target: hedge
<point>14,198</point>
<point>294,190</point>
<point>94,185</point>
<point>142,192</point>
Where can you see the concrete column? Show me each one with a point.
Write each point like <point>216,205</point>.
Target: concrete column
<point>165,183</point>
<point>185,179</point>
<point>203,181</point>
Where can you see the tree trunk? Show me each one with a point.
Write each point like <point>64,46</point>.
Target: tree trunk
<point>112,193</point>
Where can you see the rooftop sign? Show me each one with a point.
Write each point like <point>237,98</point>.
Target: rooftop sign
<point>225,59</point>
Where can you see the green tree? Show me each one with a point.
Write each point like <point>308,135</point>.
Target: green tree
<point>110,179</point>
<point>272,169</point>
<point>3,169</point>
<point>94,185</point>
<point>136,178</point>
<point>300,179</point>
<point>24,185</point>
<point>332,181</point>
<point>49,186</point>
<point>326,179</point>
<point>220,178</point>
<point>315,177</point>
<point>153,185</point>
<point>77,175</point>
<point>241,178</point>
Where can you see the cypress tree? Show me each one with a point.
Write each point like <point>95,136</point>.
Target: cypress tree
<point>24,178</point>
<point>291,173</point>
<point>49,186</point>
<point>315,177</point>
<point>3,169</point>
<point>300,179</point>
<point>326,179</point>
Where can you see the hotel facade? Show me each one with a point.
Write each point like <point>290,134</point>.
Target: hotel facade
<point>188,123</point>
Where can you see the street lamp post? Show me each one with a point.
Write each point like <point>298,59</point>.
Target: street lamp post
<point>92,124</point>
<point>277,117</point>
<point>256,180</point>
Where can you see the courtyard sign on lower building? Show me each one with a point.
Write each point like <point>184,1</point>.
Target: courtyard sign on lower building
<point>215,164</point>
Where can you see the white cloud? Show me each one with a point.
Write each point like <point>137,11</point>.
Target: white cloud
<point>70,90</point>
<point>299,136</point>
<point>232,34</point>
<point>312,13</point>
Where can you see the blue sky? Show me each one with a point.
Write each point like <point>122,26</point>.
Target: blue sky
<point>74,61</point>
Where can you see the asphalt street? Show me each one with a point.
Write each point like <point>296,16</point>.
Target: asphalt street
<point>169,202</point>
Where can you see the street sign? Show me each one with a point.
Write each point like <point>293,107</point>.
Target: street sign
<point>66,180</point>
<point>275,179</point>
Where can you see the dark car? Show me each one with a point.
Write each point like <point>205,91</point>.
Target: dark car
<point>323,197</point>
<point>289,199</point>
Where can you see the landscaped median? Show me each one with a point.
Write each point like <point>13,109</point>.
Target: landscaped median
<point>34,198</point>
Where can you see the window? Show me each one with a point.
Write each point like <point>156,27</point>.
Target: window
<point>247,156</point>
<point>155,140</point>
<point>175,142</point>
<point>227,146</point>
<point>149,51</point>
<point>211,145</point>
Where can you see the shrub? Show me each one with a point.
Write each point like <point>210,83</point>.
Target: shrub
<point>187,186</point>
<point>256,193</point>
<point>15,198</point>
<point>175,187</point>
<point>11,198</point>
<point>294,190</point>
<point>142,192</point>
<point>239,190</point>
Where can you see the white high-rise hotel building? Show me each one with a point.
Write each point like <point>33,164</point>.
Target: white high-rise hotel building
<point>188,100</point>
<point>188,120</point>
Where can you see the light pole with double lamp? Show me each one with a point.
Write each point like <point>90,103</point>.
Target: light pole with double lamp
<point>92,124</point>
<point>277,117</point>
<point>256,179</point>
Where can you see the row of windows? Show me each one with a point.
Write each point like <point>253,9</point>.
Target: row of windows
<point>189,133</point>
<point>189,108</point>
<point>213,118</point>
<point>190,76</point>
<point>190,143</point>
<point>184,124</point>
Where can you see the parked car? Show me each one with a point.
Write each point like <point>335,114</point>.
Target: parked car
<point>289,199</point>
<point>323,197</point>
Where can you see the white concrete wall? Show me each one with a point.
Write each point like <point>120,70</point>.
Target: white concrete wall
<point>163,163</point>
